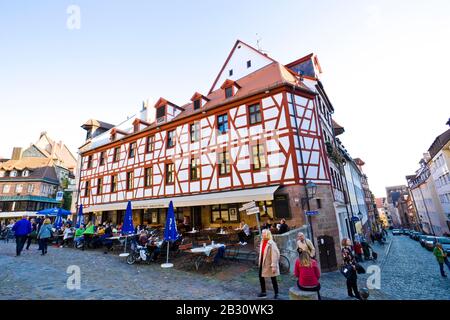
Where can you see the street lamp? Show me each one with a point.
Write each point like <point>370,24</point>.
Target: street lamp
<point>311,189</point>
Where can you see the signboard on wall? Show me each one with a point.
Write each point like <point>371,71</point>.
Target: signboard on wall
<point>59,196</point>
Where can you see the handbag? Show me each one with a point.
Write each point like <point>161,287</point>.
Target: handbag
<point>346,270</point>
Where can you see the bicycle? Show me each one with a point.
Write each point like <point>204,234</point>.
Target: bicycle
<point>283,263</point>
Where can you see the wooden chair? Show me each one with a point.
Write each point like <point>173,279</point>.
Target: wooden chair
<point>208,261</point>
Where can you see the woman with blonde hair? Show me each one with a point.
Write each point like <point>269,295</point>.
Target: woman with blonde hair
<point>308,273</point>
<point>269,257</point>
<point>45,233</point>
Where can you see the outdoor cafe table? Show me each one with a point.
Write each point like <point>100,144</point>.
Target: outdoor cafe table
<point>207,249</point>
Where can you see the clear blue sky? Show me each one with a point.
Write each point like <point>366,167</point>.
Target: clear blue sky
<point>386,65</point>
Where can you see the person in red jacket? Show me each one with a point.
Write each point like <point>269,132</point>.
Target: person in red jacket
<point>308,273</point>
<point>358,251</point>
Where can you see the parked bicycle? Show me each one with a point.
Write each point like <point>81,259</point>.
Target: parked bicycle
<point>284,264</point>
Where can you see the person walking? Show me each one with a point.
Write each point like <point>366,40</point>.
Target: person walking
<point>33,233</point>
<point>304,244</point>
<point>350,264</point>
<point>44,234</point>
<point>308,273</point>
<point>269,257</point>
<point>358,248</point>
<point>22,229</point>
<point>441,258</point>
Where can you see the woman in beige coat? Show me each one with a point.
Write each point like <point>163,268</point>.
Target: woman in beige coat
<point>269,257</point>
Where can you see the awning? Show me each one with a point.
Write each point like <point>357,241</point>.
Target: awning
<point>212,198</point>
<point>17,214</point>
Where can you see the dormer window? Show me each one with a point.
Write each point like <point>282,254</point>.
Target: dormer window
<point>198,100</point>
<point>2,173</point>
<point>160,113</point>
<point>13,173</point>
<point>25,173</point>
<point>197,104</point>
<point>230,72</point>
<point>230,87</point>
<point>228,92</point>
<point>249,63</point>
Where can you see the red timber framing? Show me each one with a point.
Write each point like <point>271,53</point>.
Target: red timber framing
<point>275,132</point>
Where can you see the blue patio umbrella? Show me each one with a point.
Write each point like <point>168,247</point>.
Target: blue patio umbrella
<point>55,212</point>
<point>170,232</point>
<point>127,227</point>
<point>58,222</point>
<point>80,217</point>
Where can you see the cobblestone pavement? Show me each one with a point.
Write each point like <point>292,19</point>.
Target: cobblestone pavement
<point>412,272</point>
<point>408,272</point>
<point>32,276</point>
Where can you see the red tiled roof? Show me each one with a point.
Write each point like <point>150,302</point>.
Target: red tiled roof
<point>266,77</point>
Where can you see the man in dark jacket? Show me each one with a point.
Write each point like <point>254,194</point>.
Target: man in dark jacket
<point>22,229</point>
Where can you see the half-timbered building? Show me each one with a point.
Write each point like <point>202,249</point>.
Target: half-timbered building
<point>257,135</point>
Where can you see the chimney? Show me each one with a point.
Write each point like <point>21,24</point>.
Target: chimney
<point>17,153</point>
<point>150,113</point>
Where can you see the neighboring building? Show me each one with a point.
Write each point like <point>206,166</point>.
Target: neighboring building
<point>393,196</point>
<point>430,187</point>
<point>238,143</point>
<point>440,173</point>
<point>384,218</point>
<point>30,180</point>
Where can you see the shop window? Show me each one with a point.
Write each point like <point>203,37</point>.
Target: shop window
<point>224,213</point>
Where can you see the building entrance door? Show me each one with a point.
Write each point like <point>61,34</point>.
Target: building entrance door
<point>327,253</point>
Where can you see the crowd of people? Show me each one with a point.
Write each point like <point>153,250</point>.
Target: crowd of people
<point>307,269</point>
